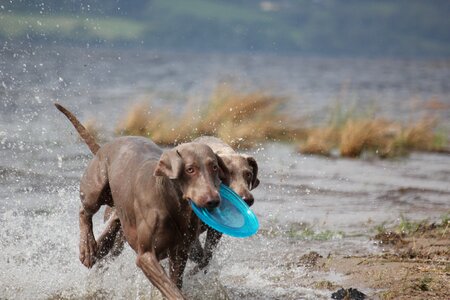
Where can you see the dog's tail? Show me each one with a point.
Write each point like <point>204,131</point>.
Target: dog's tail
<point>82,131</point>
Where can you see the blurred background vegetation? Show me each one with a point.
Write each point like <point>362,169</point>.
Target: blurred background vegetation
<point>321,27</point>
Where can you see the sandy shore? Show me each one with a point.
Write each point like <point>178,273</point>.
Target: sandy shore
<point>412,265</point>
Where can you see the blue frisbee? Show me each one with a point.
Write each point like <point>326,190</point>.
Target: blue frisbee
<point>232,217</point>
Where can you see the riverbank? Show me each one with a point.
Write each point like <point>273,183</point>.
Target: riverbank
<point>413,264</point>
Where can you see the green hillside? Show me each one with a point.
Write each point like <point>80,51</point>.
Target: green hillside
<point>331,27</point>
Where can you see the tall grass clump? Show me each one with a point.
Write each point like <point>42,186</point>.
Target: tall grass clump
<point>376,135</point>
<point>240,119</point>
<point>143,119</point>
<point>353,134</point>
<point>245,120</point>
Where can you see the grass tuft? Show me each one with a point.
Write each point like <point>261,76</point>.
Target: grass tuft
<point>246,120</point>
<point>320,140</point>
<point>384,138</point>
<point>241,119</point>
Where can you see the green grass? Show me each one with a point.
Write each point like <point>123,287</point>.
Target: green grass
<point>445,218</point>
<point>212,10</point>
<point>405,226</point>
<point>107,28</point>
<point>440,139</point>
<point>381,228</point>
<point>306,232</point>
<point>408,227</point>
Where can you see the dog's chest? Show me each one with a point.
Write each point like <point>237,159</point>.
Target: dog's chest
<point>181,229</point>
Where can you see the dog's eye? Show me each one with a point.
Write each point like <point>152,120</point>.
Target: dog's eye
<point>190,170</point>
<point>248,175</point>
<point>215,168</point>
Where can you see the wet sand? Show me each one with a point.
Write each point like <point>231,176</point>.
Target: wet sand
<point>411,266</point>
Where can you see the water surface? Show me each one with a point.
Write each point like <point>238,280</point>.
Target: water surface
<point>304,203</point>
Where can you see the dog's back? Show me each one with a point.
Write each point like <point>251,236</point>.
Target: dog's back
<point>217,145</point>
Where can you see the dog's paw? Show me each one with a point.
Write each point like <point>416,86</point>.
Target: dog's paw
<point>197,269</point>
<point>193,272</point>
<point>205,260</point>
<point>88,248</point>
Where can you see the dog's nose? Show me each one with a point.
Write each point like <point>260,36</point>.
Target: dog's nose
<point>212,203</point>
<point>248,200</point>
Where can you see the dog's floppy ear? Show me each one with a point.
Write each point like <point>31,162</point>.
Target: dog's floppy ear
<point>252,162</point>
<point>224,173</point>
<point>170,164</point>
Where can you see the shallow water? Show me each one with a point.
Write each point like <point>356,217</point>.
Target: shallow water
<point>304,203</point>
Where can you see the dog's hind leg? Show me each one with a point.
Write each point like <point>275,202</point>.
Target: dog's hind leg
<point>93,185</point>
<point>107,239</point>
<point>112,239</point>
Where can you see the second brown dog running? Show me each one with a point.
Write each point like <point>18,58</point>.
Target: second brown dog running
<point>243,178</point>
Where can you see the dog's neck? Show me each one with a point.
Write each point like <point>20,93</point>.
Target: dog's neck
<point>178,208</point>
<point>168,187</point>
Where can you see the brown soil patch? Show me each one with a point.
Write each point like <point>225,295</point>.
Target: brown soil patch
<point>309,260</point>
<point>413,266</point>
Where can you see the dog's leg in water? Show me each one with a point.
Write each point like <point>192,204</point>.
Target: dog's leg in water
<point>118,242</point>
<point>92,185</point>
<point>196,252</point>
<point>147,259</point>
<point>149,264</point>
<point>88,245</point>
<point>108,237</point>
<point>177,261</point>
<point>202,256</point>
<point>212,239</point>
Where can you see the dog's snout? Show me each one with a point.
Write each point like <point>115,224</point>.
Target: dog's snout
<point>249,200</point>
<point>212,203</point>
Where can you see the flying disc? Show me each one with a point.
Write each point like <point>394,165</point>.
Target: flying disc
<point>232,217</point>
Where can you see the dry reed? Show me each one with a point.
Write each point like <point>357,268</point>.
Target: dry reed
<point>241,119</point>
<point>382,137</point>
<point>248,119</point>
<point>320,140</point>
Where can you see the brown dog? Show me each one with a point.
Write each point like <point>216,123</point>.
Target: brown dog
<point>243,178</point>
<point>243,171</point>
<point>149,189</point>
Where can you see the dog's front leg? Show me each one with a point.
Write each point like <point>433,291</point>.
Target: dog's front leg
<point>202,256</point>
<point>151,267</point>
<point>196,252</point>
<point>177,261</point>
<point>212,239</point>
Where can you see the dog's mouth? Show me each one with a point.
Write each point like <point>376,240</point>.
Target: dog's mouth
<point>210,209</point>
<point>249,202</point>
<point>209,206</point>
